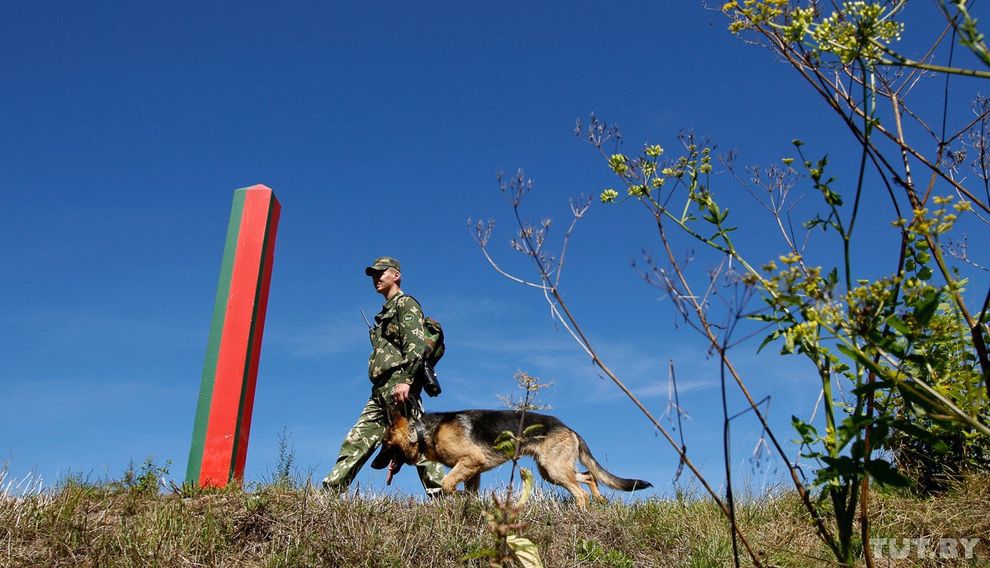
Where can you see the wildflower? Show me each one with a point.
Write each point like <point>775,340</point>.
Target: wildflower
<point>790,258</point>
<point>654,151</point>
<point>618,163</point>
<point>609,195</point>
<point>638,190</point>
<point>962,206</point>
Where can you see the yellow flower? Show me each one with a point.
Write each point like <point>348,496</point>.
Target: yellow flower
<point>618,163</point>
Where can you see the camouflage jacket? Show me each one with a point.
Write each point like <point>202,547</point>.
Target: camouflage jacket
<point>397,343</point>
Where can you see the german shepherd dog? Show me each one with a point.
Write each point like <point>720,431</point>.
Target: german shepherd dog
<point>465,441</point>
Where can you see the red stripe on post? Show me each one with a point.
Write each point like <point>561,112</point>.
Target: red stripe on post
<point>240,342</point>
<point>247,407</point>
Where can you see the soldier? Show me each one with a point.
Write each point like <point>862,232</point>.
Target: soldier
<point>398,346</point>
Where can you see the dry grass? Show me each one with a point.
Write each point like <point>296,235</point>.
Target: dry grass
<point>131,523</point>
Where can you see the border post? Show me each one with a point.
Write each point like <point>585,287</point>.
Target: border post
<point>226,393</point>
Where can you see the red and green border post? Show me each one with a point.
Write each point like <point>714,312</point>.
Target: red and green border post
<point>226,393</point>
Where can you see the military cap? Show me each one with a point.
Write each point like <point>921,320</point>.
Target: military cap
<point>381,264</point>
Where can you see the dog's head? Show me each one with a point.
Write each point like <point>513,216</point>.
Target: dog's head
<point>401,438</point>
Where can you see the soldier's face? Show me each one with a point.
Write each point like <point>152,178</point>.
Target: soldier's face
<point>384,280</point>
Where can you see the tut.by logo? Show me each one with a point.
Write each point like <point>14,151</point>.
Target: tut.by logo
<point>924,547</point>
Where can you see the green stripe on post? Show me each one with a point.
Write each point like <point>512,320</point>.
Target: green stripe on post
<point>213,344</point>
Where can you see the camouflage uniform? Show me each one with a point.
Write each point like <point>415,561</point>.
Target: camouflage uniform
<point>398,346</point>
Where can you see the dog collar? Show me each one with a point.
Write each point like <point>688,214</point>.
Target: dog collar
<point>420,438</point>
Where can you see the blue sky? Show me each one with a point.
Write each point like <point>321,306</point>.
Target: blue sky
<point>126,127</point>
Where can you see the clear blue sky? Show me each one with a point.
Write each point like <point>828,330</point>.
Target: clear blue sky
<point>125,128</point>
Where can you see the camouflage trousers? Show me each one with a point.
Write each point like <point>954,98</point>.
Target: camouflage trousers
<point>366,435</point>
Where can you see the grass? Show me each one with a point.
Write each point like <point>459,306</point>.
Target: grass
<point>131,522</point>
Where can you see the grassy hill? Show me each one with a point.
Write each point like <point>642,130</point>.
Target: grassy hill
<point>132,522</point>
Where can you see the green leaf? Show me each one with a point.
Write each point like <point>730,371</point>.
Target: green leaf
<point>925,309</point>
<point>531,429</point>
<point>898,324</point>
<point>886,474</point>
<point>807,432</point>
<point>525,551</point>
<point>481,553</point>
<point>853,354</point>
<point>768,339</point>
<point>506,443</point>
<point>761,317</point>
<point>842,466</point>
<point>849,428</point>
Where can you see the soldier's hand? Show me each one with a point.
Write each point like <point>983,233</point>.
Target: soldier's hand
<point>401,393</point>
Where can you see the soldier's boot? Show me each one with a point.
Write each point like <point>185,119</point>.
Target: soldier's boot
<point>431,475</point>
<point>333,488</point>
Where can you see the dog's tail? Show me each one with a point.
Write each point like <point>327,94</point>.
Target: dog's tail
<point>601,474</point>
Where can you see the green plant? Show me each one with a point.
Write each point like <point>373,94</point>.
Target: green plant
<point>900,354</point>
<point>591,551</point>
<point>147,480</point>
<point>286,460</point>
<point>505,521</point>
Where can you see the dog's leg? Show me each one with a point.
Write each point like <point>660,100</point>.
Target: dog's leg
<point>462,472</point>
<point>473,484</point>
<point>592,484</point>
<point>561,472</point>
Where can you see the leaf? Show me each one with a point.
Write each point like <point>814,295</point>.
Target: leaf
<point>814,222</point>
<point>506,443</point>
<point>525,551</point>
<point>833,277</point>
<point>898,324</point>
<point>807,432</point>
<point>853,354</point>
<point>886,474</point>
<point>768,339</point>
<point>924,310</point>
<point>531,428</point>
<point>481,553</point>
<point>841,466</point>
<point>527,478</point>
